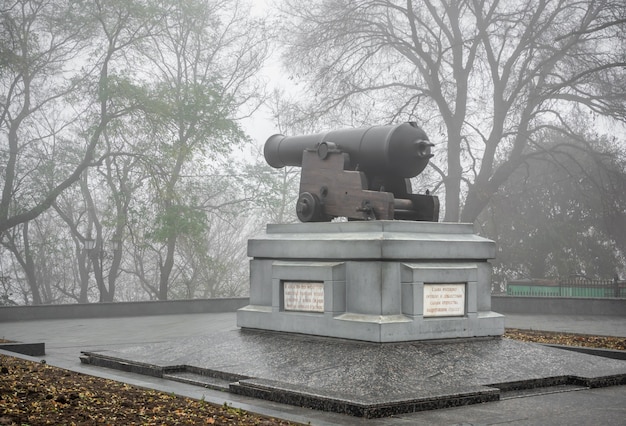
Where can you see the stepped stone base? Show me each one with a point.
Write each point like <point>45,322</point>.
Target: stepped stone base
<point>377,281</point>
<point>364,379</point>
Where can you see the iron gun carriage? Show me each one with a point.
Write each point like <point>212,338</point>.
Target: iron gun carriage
<point>361,174</point>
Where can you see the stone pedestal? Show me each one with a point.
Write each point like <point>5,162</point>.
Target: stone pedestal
<point>377,281</point>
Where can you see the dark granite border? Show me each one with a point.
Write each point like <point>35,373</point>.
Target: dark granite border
<point>543,382</point>
<point>153,370</point>
<point>30,349</point>
<point>129,366</point>
<point>216,374</point>
<point>605,353</point>
<point>606,381</point>
<point>343,404</point>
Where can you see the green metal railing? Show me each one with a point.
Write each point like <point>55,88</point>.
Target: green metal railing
<point>567,288</point>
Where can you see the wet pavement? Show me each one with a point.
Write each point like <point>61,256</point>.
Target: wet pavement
<point>66,339</point>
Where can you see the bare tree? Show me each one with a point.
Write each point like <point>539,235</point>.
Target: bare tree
<point>202,62</point>
<point>43,45</point>
<point>559,215</point>
<point>276,190</point>
<point>128,109</point>
<point>37,44</point>
<point>38,41</point>
<point>485,76</point>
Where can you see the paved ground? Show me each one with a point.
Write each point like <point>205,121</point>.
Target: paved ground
<point>65,339</point>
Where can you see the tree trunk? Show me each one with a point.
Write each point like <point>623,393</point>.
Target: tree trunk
<point>96,261</point>
<point>113,270</point>
<point>166,268</point>
<point>83,273</point>
<point>453,180</point>
<point>29,267</point>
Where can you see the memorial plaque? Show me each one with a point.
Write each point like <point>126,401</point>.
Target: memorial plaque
<point>303,296</point>
<point>444,300</point>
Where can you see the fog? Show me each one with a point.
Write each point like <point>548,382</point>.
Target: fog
<point>142,130</point>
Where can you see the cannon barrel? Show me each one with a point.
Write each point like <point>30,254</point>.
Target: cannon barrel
<point>400,150</point>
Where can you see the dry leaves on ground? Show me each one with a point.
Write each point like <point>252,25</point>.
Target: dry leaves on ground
<point>567,339</point>
<point>37,394</point>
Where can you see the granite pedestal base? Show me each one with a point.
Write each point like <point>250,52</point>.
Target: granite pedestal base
<point>377,281</point>
<point>364,379</point>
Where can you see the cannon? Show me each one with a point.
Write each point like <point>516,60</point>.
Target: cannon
<point>360,174</point>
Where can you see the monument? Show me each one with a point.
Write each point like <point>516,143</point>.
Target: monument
<point>388,313</point>
<point>391,273</point>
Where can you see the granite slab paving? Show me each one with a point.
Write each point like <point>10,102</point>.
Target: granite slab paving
<point>361,378</point>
